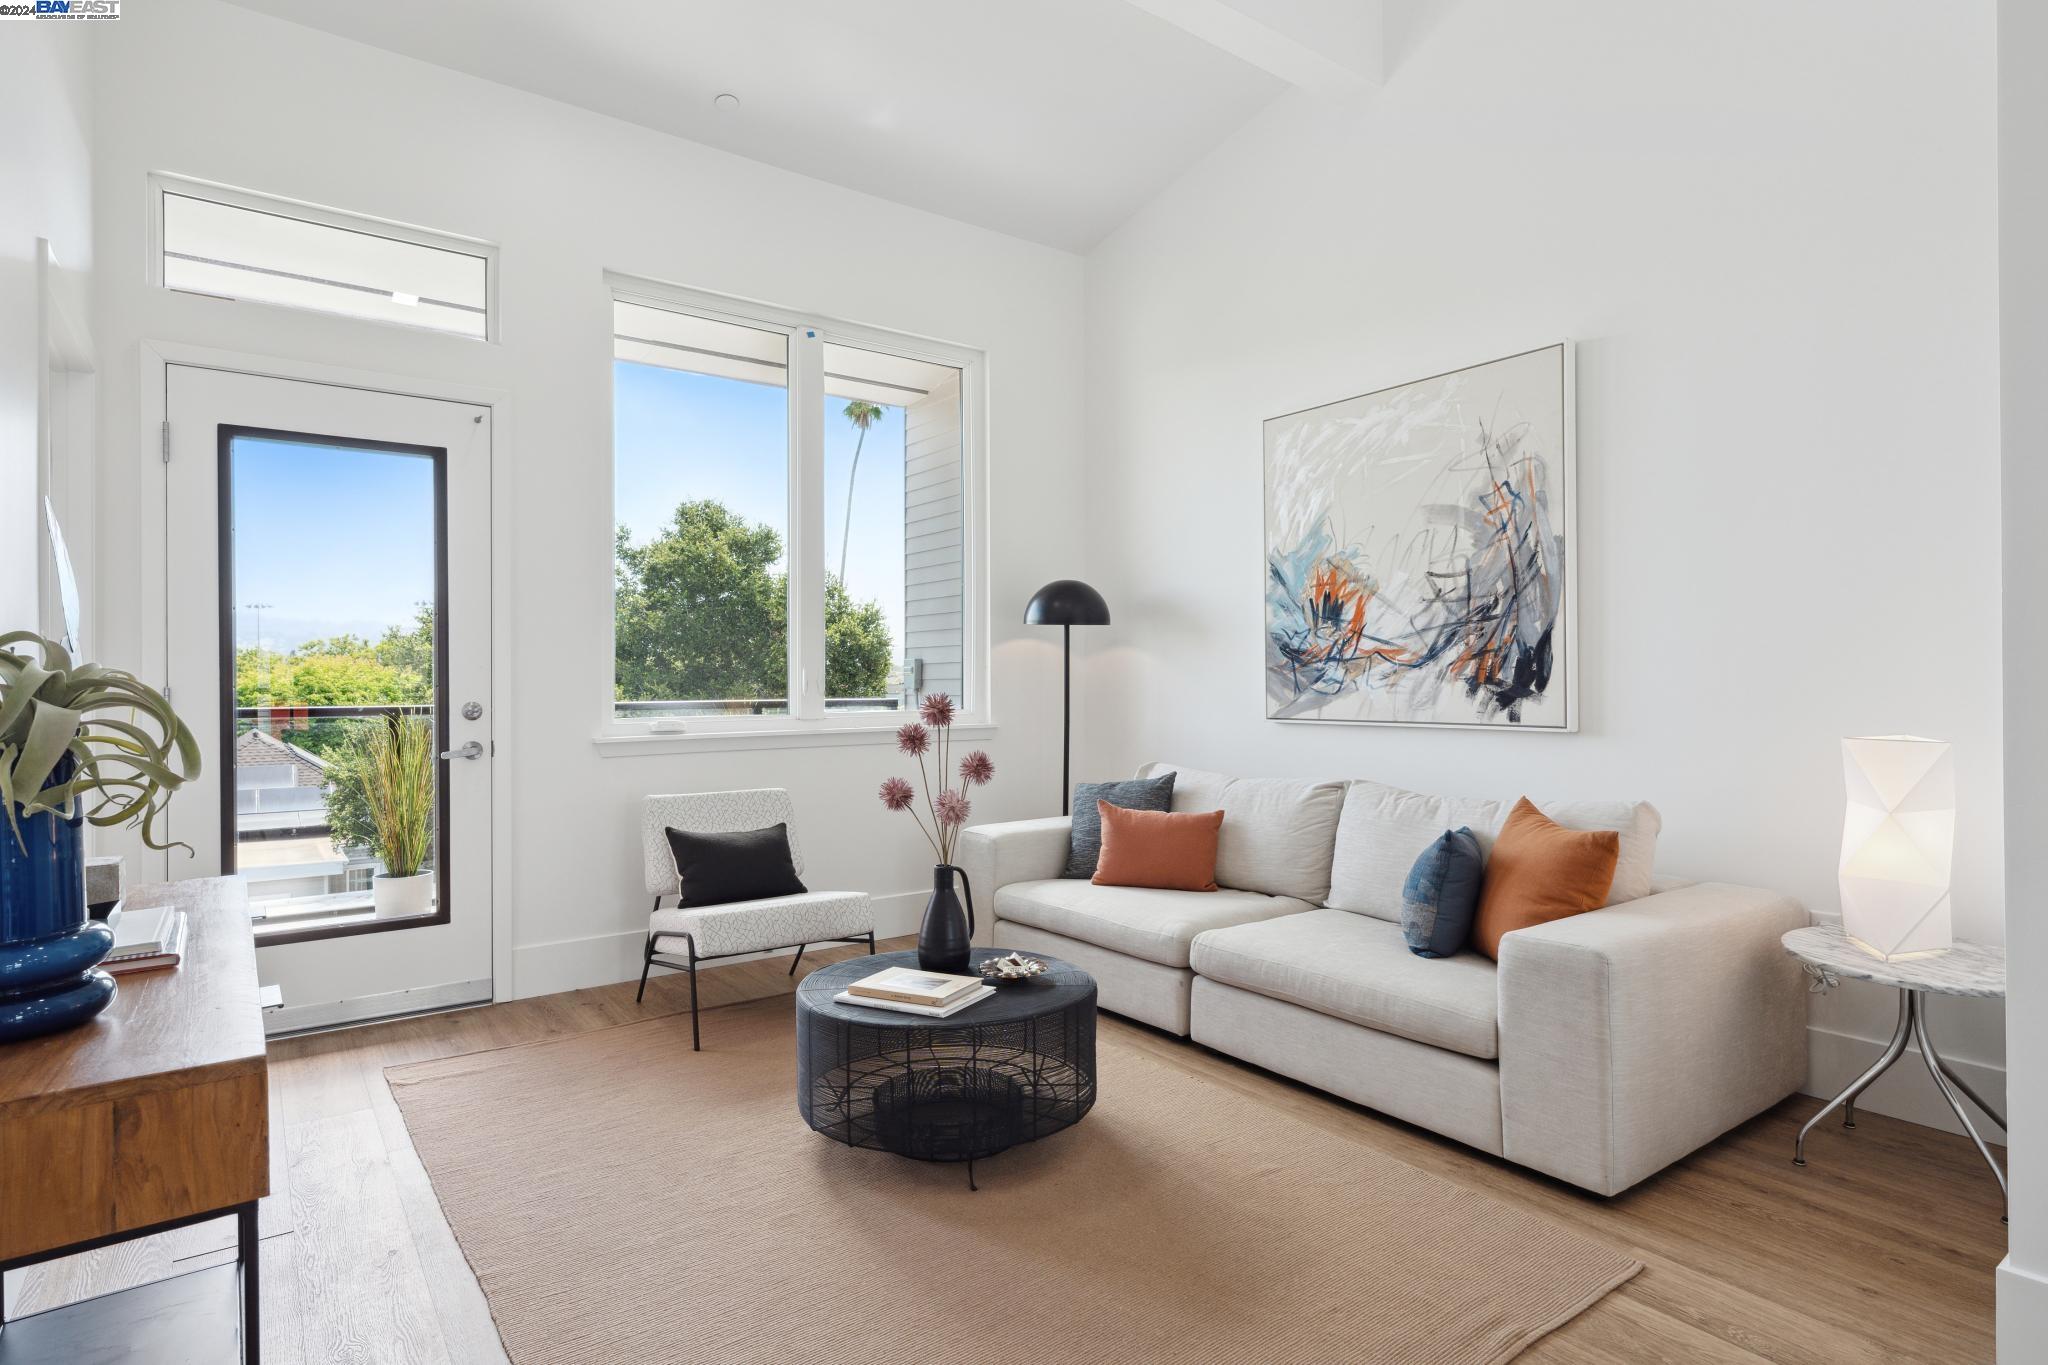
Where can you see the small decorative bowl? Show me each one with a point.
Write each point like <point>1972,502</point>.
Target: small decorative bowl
<point>1012,969</point>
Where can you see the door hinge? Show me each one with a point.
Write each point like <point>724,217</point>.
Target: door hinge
<point>166,442</point>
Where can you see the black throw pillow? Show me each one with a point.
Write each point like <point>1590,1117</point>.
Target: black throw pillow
<point>743,865</point>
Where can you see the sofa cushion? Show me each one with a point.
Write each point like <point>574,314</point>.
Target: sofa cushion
<point>1144,922</point>
<point>1277,832</point>
<point>1358,968</point>
<point>1638,824</point>
<point>1383,830</point>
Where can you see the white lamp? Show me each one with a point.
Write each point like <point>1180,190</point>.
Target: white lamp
<point>1898,842</point>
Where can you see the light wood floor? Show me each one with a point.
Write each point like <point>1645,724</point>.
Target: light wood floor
<point>1881,1249</point>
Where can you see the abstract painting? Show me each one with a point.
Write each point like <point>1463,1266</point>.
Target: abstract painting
<point>1419,547</point>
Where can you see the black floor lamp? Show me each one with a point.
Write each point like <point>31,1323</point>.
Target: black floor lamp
<point>1066,603</point>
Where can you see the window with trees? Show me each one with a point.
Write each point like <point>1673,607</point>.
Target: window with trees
<point>793,530</point>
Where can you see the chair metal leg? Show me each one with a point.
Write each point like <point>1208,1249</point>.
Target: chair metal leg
<point>1941,1081</point>
<point>871,953</point>
<point>647,961</point>
<point>696,1040</point>
<point>1907,1014</point>
<point>798,958</point>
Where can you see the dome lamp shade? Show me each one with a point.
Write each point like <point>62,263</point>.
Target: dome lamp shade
<point>1066,602</point>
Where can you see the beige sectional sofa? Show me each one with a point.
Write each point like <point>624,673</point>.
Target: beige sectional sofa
<point>1599,1049</point>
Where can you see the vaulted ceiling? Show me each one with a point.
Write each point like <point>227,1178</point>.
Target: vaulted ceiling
<point>1051,120</point>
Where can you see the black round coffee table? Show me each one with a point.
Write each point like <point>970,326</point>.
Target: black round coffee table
<point>1011,1069</point>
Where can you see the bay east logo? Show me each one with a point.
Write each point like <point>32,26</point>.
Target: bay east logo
<point>62,9</point>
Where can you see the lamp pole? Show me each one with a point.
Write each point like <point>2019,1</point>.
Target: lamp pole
<point>1066,603</point>
<point>1066,717</point>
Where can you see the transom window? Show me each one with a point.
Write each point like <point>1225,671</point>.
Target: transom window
<point>237,245</point>
<point>793,538</point>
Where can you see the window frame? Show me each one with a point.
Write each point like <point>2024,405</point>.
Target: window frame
<point>808,720</point>
<point>161,183</point>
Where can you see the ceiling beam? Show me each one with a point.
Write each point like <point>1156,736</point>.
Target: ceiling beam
<point>1327,47</point>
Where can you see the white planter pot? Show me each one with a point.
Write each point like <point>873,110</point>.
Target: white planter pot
<point>402,897</point>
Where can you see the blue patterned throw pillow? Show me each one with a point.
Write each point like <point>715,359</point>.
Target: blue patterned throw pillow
<point>1084,842</point>
<point>1442,894</point>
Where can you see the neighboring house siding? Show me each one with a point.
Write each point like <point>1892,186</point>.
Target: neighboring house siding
<point>933,540</point>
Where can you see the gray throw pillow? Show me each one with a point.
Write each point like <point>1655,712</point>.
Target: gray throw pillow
<point>1084,843</point>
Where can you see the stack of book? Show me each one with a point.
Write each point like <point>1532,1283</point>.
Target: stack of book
<point>908,990</point>
<point>147,938</point>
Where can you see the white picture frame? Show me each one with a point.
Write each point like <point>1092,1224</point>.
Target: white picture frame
<point>1421,552</point>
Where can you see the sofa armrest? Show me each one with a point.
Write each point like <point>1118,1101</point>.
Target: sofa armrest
<point>993,856</point>
<point>1632,1035</point>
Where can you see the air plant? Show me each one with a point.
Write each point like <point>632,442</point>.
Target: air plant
<point>948,806</point>
<point>122,767</point>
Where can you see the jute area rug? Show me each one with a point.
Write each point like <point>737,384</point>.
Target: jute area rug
<point>624,1201</point>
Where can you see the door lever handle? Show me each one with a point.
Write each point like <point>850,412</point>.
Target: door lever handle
<point>473,749</point>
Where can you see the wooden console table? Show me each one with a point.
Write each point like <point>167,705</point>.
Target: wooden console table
<point>152,1117</point>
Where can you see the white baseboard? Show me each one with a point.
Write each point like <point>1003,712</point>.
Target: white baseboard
<point>291,1018</point>
<point>2022,1314</point>
<point>1904,1092</point>
<point>571,964</point>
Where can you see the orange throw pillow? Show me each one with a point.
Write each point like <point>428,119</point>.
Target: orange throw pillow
<point>1158,848</point>
<point>1540,871</point>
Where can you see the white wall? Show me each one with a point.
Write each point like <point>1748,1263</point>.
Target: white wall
<point>2023,293</point>
<point>45,191</point>
<point>219,93</point>
<point>1771,230</point>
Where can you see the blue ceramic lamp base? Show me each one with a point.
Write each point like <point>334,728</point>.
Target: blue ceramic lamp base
<point>67,1004</point>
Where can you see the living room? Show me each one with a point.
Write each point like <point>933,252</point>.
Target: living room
<point>522,456</point>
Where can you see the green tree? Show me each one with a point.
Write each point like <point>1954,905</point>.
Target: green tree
<point>858,647</point>
<point>410,651</point>
<point>702,614</point>
<point>862,415</point>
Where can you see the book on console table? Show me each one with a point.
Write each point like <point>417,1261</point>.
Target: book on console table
<point>146,940</point>
<point>946,1011</point>
<point>913,986</point>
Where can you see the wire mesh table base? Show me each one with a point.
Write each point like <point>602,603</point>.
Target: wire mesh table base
<point>1012,1069</point>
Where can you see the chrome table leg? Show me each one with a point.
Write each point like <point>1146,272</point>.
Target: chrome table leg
<point>1908,1016</point>
<point>1948,1092</point>
<point>1959,1083</point>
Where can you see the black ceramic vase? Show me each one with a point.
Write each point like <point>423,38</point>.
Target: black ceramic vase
<point>946,935</point>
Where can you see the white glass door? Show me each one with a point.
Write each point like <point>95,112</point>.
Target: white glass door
<point>328,618</point>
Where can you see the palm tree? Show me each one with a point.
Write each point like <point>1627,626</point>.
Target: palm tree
<point>862,414</point>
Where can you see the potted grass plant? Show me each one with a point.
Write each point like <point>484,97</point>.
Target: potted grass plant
<point>393,766</point>
<point>79,744</point>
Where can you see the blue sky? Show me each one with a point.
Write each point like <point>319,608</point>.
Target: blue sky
<point>680,436</point>
<point>340,540</point>
<point>337,540</point>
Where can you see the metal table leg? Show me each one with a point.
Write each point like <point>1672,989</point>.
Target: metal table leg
<point>247,1242</point>
<point>1908,1015</point>
<point>1945,1083</point>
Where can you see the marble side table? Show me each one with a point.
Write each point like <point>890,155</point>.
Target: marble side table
<point>1968,969</point>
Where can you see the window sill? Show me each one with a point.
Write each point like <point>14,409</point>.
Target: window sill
<point>716,741</point>
<point>312,928</point>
